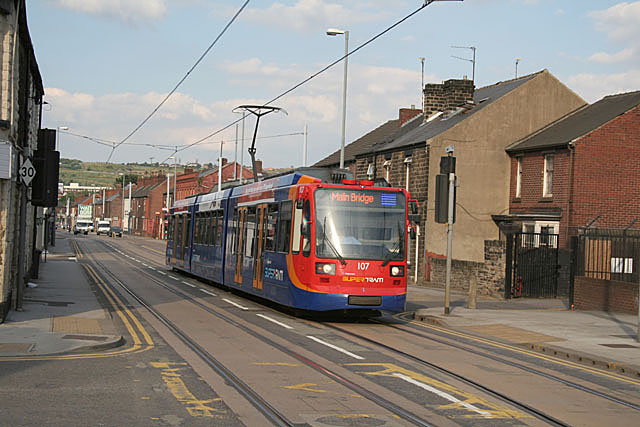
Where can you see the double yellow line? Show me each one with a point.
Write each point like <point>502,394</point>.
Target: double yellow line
<point>528,353</point>
<point>141,342</point>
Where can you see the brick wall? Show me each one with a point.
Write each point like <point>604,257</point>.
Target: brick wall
<point>489,274</point>
<point>607,174</point>
<point>605,295</point>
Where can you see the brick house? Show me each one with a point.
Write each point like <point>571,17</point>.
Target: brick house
<point>479,123</point>
<point>143,206</point>
<point>365,143</point>
<point>583,166</point>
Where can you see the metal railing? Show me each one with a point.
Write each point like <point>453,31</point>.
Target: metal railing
<point>608,254</point>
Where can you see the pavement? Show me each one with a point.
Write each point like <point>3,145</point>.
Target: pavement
<point>64,313</point>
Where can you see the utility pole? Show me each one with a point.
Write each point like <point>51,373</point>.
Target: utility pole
<point>422,59</point>
<point>304,147</point>
<point>473,61</point>
<point>235,158</point>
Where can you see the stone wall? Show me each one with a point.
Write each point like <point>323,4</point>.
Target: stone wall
<point>489,274</point>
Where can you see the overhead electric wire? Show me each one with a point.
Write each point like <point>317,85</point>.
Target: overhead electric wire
<point>137,128</point>
<point>316,74</point>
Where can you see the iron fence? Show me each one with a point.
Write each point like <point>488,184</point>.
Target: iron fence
<point>608,254</point>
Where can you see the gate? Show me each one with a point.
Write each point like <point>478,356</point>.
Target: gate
<point>532,265</point>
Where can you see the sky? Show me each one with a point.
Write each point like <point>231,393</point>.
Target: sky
<point>107,64</point>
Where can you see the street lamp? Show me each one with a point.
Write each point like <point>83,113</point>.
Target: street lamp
<point>175,175</point>
<point>517,62</point>
<point>122,220</point>
<point>335,32</point>
<point>422,59</point>
<point>65,128</point>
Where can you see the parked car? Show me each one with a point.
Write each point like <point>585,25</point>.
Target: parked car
<point>115,231</point>
<point>103,227</point>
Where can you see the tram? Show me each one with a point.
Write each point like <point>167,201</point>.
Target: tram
<point>299,241</point>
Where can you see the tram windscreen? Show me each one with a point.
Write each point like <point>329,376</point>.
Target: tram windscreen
<point>360,224</point>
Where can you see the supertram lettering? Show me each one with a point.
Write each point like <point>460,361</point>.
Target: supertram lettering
<point>363,279</point>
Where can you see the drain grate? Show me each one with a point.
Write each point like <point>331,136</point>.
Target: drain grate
<point>84,337</point>
<point>620,345</point>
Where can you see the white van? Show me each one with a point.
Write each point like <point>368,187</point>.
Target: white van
<point>83,226</point>
<point>104,227</point>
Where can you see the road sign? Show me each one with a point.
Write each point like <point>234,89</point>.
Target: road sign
<point>27,172</point>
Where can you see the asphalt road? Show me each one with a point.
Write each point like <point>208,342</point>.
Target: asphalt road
<point>391,371</point>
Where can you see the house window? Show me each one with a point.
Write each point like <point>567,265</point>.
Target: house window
<point>547,185</point>
<point>519,178</point>
<point>540,234</point>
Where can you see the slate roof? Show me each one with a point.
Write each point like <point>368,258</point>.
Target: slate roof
<point>577,123</point>
<point>431,128</point>
<point>362,144</point>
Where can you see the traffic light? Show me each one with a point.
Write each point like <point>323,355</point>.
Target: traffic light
<point>46,161</point>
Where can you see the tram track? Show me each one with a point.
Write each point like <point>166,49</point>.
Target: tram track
<point>492,357</point>
<point>494,393</point>
<point>260,403</point>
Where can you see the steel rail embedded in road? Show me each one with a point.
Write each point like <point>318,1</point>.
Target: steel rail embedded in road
<point>378,400</point>
<point>276,417</point>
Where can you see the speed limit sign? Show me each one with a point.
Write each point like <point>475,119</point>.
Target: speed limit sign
<point>27,172</point>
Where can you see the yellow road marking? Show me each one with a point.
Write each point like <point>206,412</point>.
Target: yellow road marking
<point>141,328</point>
<point>528,353</point>
<point>195,407</point>
<point>466,401</point>
<point>305,387</point>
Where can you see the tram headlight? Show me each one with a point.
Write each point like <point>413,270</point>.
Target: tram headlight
<point>326,268</point>
<point>397,271</point>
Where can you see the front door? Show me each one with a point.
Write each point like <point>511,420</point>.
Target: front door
<point>240,225</point>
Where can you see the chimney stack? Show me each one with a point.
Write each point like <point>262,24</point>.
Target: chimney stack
<point>447,96</point>
<point>259,166</point>
<point>407,114</point>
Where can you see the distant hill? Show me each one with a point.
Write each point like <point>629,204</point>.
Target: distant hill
<point>105,174</point>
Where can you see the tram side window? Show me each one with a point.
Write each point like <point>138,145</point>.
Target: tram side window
<point>306,229</point>
<point>213,223</point>
<point>297,222</point>
<point>197,229</point>
<point>249,232</point>
<point>284,227</point>
<point>170,231</point>
<point>270,237</point>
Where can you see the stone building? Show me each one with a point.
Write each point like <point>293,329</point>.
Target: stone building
<point>479,124</point>
<point>21,93</point>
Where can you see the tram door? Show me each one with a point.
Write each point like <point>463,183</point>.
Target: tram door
<point>174,236</point>
<point>183,232</point>
<point>240,225</point>
<point>186,246</point>
<point>259,246</point>
<point>177,236</point>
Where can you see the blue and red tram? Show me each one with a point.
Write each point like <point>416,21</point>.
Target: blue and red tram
<point>298,241</point>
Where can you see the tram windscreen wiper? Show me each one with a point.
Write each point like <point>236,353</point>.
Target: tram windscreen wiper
<point>396,247</point>
<point>324,239</point>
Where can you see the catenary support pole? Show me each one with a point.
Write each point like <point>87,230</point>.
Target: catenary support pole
<point>304,147</point>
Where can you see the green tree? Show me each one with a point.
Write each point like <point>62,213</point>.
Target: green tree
<point>128,178</point>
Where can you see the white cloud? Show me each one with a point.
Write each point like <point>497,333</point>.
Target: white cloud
<point>608,58</point>
<point>621,22</point>
<point>131,11</point>
<point>315,15</point>
<point>592,87</point>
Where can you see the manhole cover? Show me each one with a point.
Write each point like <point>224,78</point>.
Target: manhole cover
<point>350,420</point>
<point>620,345</point>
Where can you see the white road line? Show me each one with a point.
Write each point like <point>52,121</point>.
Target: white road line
<point>444,395</point>
<point>274,321</point>
<point>174,277</point>
<point>335,347</point>
<point>151,268</point>
<point>236,304</point>
<point>208,293</point>
<point>162,272</point>
<point>145,264</point>
<point>188,284</point>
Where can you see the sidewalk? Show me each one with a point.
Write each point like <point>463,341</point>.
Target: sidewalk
<point>61,314</point>
<point>594,338</point>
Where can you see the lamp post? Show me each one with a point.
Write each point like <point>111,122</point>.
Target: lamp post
<point>517,62</point>
<point>122,220</point>
<point>175,176</point>
<point>422,59</point>
<point>335,32</point>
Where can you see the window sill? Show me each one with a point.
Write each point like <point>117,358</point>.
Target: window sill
<point>546,199</point>
<point>516,200</point>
